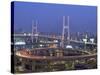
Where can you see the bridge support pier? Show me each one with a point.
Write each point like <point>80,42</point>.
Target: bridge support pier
<point>73,64</point>
<point>33,66</point>
<point>23,64</point>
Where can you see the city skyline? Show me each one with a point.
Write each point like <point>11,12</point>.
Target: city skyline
<point>53,37</point>
<point>49,17</point>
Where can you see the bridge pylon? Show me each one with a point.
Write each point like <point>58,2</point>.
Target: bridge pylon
<point>34,30</point>
<point>65,32</point>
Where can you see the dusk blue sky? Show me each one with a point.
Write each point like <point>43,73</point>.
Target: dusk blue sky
<point>50,16</point>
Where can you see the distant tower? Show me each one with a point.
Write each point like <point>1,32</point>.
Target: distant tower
<point>34,29</point>
<point>65,32</point>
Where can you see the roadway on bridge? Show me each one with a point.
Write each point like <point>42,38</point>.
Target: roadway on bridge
<point>56,37</point>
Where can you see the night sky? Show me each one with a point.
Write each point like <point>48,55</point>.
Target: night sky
<point>49,17</point>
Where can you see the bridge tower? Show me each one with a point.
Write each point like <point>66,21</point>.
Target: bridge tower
<point>34,30</point>
<point>65,32</point>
